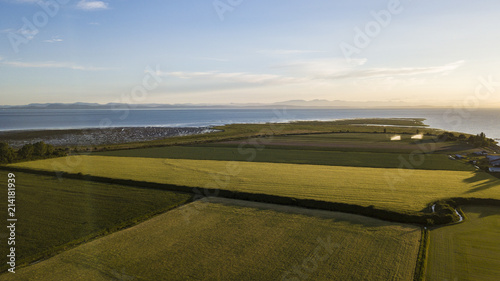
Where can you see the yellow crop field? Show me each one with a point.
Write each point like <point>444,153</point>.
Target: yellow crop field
<point>392,189</point>
<point>467,251</point>
<point>237,240</point>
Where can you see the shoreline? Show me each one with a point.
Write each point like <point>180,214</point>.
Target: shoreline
<point>97,136</point>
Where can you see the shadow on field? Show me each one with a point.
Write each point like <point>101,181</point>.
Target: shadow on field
<point>486,212</point>
<point>349,218</point>
<point>481,183</point>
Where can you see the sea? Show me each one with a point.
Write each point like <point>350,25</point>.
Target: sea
<point>473,121</point>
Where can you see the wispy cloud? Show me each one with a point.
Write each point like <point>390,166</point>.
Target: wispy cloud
<point>92,5</point>
<point>313,72</point>
<point>402,71</point>
<point>27,33</point>
<point>209,59</point>
<point>52,64</point>
<point>7,30</point>
<point>237,77</point>
<point>53,40</point>
<point>25,1</point>
<point>286,52</point>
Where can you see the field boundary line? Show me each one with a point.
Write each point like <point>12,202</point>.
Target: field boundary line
<point>420,267</point>
<point>445,213</point>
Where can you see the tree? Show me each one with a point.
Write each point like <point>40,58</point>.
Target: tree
<point>6,153</point>
<point>40,149</point>
<point>26,152</point>
<point>50,149</point>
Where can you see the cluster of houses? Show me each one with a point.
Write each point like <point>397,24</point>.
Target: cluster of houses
<point>494,163</point>
<point>493,160</point>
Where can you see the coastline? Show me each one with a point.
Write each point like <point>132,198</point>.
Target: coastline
<point>97,136</point>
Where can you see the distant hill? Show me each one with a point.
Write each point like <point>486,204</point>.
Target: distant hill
<point>317,103</point>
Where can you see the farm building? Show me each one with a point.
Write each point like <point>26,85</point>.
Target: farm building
<point>492,157</point>
<point>458,156</point>
<point>494,170</point>
<point>395,138</point>
<point>495,163</point>
<point>417,137</point>
<point>480,153</point>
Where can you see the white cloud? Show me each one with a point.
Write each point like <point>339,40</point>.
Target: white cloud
<point>7,30</point>
<point>28,34</point>
<point>53,40</point>
<point>286,52</point>
<point>402,71</point>
<point>26,1</point>
<point>320,67</point>
<point>92,5</point>
<point>210,59</point>
<point>52,64</point>
<point>316,73</point>
<point>238,77</point>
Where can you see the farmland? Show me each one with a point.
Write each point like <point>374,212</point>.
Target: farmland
<point>56,214</point>
<point>234,240</point>
<point>358,142</point>
<point>399,190</point>
<point>296,156</point>
<point>467,251</point>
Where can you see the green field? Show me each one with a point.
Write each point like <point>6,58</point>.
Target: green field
<point>53,213</point>
<point>354,142</point>
<point>245,131</point>
<point>392,189</point>
<point>296,156</point>
<point>467,251</point>
<point>236,240</point>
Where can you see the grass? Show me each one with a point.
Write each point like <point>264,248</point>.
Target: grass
<point>353,142</point>
<point>397,190</point>
<point>467,251</point>
<point>53,214</point>
<point>245,131</point>
<point>230,240</point>
<point>295,156</point>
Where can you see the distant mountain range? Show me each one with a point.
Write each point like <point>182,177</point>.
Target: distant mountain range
<point>290,104</point>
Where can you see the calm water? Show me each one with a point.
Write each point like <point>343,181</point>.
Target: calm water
<point>481,120</point>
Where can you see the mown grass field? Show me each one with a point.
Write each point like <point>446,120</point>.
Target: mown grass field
<point>53,214</point>
<point>354,142</point>
<point>400,190</point>
<point>235,240</point>
<point>295,156</point>
<point>245,131</point>
<point>467,251</point>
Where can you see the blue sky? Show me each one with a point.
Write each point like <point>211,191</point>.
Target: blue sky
<point>223,51</point>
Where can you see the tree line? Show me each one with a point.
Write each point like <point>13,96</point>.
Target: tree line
<point>479,140</point>
<point>39,150</point>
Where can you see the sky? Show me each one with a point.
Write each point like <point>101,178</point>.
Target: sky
<point>442,53</point>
